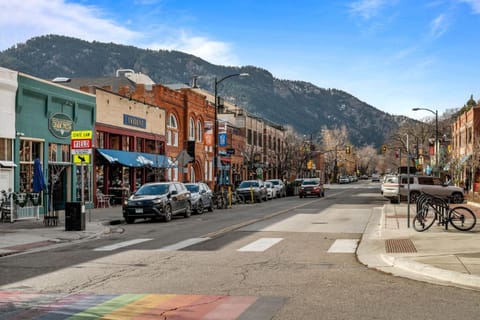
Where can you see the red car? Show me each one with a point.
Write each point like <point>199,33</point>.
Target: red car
<point>311,187</point>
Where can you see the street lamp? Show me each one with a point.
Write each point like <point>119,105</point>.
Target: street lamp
<point>436,135</point>
<point>215,125</point>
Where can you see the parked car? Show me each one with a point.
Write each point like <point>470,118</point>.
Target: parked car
<point>201,197</point>
<point>271,190</point>
<point>397,188</point>
<point>158,200</point>
<point>280,186</point>
<point>247,188</point>
<point>375,177</point>
<point>311,187</point>
<point>343,179</point>
<point>387,179</point>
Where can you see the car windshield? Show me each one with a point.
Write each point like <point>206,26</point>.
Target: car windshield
<point>192,188</point>
<point>247,184</point>
<point>309,182</point>
<point>274,182</point>
<point>152,189</point>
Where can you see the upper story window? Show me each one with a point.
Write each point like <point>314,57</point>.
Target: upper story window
<point>191,130</point>
<point>172,131</point>
<point>199,131</point>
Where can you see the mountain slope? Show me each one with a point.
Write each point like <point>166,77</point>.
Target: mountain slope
<point>304,106</point>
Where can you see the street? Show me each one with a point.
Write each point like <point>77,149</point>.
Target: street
<point>288,258</point>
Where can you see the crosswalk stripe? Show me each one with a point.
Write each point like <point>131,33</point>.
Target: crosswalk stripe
<point>344,246</point>
<point>260,245</point>
<point>183,244</point>
<point>121,245</point>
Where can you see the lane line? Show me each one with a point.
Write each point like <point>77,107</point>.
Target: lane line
<point>260,245</point>
<point>183,244</point>
<point>344,246</point>
<point>121,245</point>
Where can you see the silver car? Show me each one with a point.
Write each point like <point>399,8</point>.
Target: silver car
<point>397,188</point>
<point>201,197</point>
<point>280,186</point>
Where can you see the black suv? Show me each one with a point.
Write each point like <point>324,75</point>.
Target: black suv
<point>158,199</point>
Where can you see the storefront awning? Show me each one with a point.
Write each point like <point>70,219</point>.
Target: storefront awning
<point>135,159</point>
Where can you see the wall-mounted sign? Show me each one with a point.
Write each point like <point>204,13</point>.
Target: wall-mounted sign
<point>81,158</point>
<point>81,134</point>
<point>132,121</point>
<point>222,139</point>
<point>60,125</point>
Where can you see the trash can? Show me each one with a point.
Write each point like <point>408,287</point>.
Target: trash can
<point>74,217</point>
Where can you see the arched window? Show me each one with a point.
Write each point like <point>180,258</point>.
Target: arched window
<point>191,130</point>
<point>199,131</point>
<point>172,131</point>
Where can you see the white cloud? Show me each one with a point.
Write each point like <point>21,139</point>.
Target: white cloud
<point>475,4</point>
<point>439,26</point>
<point>212,51</point>
<point>22,20</point>
<point>366,8</point>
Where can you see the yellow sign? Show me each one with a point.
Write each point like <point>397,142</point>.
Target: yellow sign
<point>85,134</point>
<point>81,158</point>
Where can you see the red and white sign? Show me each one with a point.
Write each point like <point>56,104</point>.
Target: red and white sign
<point>82,144</point>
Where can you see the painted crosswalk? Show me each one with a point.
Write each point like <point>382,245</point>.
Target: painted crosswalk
<point>344,246</point>
<point>21,305</point>
<point>121,245</point>
<point>260,245</point>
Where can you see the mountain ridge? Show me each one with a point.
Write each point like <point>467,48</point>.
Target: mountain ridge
<point>304,106</point>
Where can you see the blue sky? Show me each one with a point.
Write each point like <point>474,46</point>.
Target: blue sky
<point>394,55</point>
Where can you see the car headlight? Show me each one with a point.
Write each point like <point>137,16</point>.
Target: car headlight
<point>157,201</point>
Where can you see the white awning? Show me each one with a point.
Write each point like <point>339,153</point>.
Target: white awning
<point>7,164</point>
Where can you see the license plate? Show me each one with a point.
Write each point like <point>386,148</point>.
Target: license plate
<point>138,210</point>
<point>308,192</point>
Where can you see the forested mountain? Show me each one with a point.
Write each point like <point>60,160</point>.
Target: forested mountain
<point>300,104</point>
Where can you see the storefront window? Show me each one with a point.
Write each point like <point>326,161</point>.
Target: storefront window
<point>29,150</point>
<point>52,152</point>
<point>139,144</point>
<point>100,139</point>
<point>65,153</point>
<point>6,149</point>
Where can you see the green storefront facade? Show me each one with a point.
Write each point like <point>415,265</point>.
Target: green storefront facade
<point>46,113</point>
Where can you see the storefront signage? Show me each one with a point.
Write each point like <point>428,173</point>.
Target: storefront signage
<point>134,121</point>
<point>81,158</point>
<point>82,134</point>
<point>60,125</point>
<point>81,144</point>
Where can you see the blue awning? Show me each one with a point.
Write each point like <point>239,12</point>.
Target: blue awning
<point>136,159</point>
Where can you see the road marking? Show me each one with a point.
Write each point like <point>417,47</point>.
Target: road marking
<point>260,245</point>
<point>183,244</point>
<point>344,246</point>
<point>121,245</point>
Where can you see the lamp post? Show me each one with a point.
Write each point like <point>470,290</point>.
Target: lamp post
<point>215,125</point>
<point>436,135</point>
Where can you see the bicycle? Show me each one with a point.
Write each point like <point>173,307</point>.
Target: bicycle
<point>431,208</point>
<point>220,199</point>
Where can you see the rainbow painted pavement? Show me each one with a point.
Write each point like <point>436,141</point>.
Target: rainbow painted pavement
<point>19,305</point>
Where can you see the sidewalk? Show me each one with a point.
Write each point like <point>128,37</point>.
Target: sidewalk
<point>438,256</point>
<point>29,235</point>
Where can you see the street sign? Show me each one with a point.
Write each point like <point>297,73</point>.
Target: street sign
<point>222,139</point>
<point>81,144</point>
<point>230,151</point>
<point>81,151</point>
<point>84,134</point>
<point>81,158</point>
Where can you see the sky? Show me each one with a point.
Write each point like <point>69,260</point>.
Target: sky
<point>392,54</point>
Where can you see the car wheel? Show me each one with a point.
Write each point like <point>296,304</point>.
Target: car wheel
<point>457,198</point>
<point>300,196</point>
<point>188,210</point>
<point>200,207</point>
<point>129,220</point>
<point>168,213</point>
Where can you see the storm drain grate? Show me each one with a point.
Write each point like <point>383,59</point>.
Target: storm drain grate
<point>400,246</point>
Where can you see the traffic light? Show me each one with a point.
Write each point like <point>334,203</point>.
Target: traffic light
<point>384,148</point>
<point>347,150</point>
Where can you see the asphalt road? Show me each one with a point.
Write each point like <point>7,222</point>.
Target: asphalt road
<point>293,258</point>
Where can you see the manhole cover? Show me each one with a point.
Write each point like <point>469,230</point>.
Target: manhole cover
<point>399,246</point>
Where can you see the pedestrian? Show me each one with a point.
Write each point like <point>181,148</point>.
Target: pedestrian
<point>467,185</point>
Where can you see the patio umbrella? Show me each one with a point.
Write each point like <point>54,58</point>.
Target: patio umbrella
<point>38,179</point>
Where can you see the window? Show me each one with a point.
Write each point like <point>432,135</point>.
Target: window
<point>199,131</point>
<point>6,149</point>
<point>191,130</point>
<point>172,131</point>
<point>249,136</point>
<point>29,151</point>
